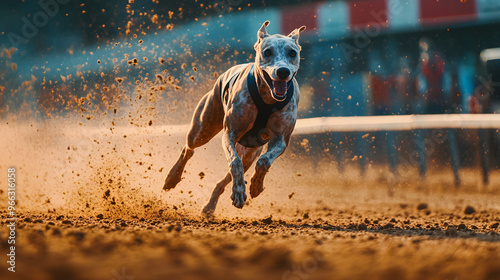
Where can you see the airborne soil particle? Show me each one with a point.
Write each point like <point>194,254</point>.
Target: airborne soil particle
<point>422,206</point>
<point>469,210</point>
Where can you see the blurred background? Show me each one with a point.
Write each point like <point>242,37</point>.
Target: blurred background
<point>89,59</point>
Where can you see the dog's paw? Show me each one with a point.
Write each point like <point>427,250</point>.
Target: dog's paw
<point>256,187</point>
<point>207,212</point>
<point>171,181</point>
<point>239,197</point>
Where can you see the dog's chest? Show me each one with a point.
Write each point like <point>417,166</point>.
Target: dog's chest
<point>259,133</point>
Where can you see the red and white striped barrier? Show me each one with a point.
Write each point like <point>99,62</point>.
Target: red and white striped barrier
<point>341,18</point>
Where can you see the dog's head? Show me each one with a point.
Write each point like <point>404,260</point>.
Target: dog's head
<point>278,58</point>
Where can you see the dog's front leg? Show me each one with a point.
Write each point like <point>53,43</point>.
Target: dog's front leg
<point>275,148</point>
<point>236,168</point>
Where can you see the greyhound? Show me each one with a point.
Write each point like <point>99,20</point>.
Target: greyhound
<point>255,104</point>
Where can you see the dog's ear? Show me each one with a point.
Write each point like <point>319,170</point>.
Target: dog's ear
<point>295,34</point>
<point>262,33</point>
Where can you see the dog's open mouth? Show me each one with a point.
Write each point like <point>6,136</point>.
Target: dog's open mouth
<point>278,87</point>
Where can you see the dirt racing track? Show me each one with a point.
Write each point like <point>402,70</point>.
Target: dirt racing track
<point>90,206</point>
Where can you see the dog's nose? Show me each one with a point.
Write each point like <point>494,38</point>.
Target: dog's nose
<point>282,73</point>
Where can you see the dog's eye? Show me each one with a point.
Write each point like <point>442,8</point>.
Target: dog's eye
<point>292,53</point>
<point>268,53</point>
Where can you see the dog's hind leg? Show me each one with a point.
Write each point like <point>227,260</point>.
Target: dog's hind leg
<point>206,123</point>
<point>208,210</point>
<point>275,148</point>
<point>248,156</point>
<point>175,174</point>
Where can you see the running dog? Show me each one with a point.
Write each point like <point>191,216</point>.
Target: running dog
<point>255,104</point>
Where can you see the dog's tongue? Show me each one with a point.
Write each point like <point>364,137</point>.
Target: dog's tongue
<point>279,87</point>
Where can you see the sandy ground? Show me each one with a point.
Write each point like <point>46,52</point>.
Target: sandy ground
<point>91,207</point>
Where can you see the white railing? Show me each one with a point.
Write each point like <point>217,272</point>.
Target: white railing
<point>339,124</point>
<point>396,122</point>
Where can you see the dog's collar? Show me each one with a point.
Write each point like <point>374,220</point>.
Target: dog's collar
<point>255,137</point>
